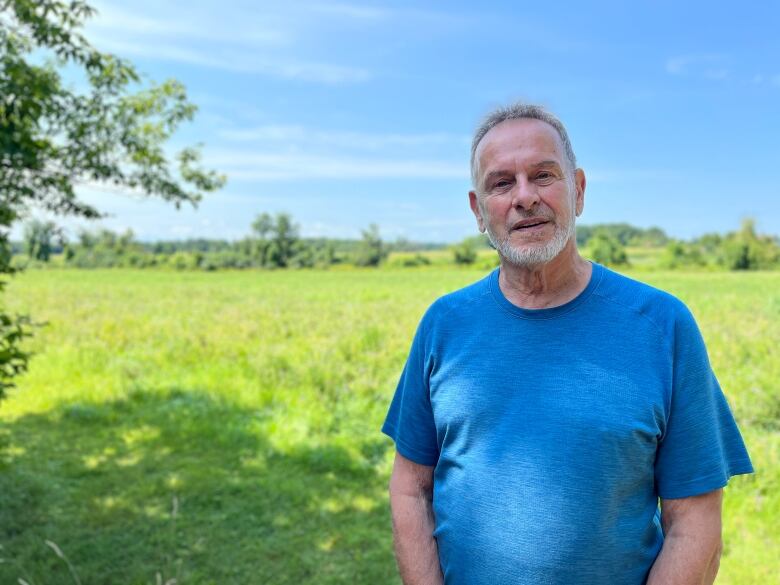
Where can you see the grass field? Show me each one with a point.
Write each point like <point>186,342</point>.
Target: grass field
<point>223,427</point>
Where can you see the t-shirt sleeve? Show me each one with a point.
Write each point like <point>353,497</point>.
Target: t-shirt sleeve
<point>409,420</point>
<point>701,447</point>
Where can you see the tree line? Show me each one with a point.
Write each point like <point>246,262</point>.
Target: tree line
<point>274,242</point>
<point>743,249</point>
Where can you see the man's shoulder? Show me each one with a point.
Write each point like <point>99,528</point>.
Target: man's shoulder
<point>643,300</point>
<point>465,299</point>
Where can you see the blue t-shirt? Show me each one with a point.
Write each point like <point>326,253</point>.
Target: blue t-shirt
<point>554,431</point>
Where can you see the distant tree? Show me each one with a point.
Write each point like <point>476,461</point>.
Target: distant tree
<point>275,243</point>
<point>678,254</point>
<point>746,250</point>
<point>371,250</point>
<point>107,249</point>
<point>325,254</point>
<point>263,226</point>
<point>40,238</point>
<point>465,252</point>
<point>401,244</point>
<point>606,249</point>
<point>624,233</point>
<point>673,255</point>
<point>184,260</point>
<point>710,247</point>
<point>303,255</point>
<point>736,254</point>
<point>416,260</point>
<point>653,237</point>
<point>285,238</point>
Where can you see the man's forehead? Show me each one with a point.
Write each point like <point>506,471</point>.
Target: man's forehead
<point>525,134</point>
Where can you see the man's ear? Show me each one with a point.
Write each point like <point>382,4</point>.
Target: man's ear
<point>579,187</point>
<point>474,203</point>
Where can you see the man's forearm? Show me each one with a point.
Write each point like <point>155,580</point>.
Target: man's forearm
<point>685,560</point>
<point>415,546</point>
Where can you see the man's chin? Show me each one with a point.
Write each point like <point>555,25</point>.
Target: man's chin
<point>529,255</point>
<point>526,256</point>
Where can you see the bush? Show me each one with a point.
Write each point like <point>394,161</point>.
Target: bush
<point>746,250</point>
<point>677,254</point>
<point>371,251</point>
<point>465,252</point>
<point>416,260</point>
<point>606,249</point>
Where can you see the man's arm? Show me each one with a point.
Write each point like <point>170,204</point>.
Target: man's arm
<point>692,541</point>
<point>411,500</point>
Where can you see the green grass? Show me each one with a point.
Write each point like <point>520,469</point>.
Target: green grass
<point>223,427</point>
<point>644,257</point>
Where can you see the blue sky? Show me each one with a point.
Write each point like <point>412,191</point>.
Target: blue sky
<point>344,114</point>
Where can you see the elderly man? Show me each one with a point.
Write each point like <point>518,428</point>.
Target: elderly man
<point>545,409</point>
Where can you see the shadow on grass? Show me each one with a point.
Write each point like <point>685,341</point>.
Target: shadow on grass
<point>190,487</point>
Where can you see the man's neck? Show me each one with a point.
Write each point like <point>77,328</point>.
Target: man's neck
<point>546,285</point>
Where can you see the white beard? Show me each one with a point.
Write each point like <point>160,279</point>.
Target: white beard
<point>532,254</point>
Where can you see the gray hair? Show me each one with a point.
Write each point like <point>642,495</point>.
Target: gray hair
<point>518,111</point>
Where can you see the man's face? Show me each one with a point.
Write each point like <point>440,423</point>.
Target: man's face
<point>527,196</point>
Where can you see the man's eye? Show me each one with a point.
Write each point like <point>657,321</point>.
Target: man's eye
<point>545,177</point>
<point>501,184</point>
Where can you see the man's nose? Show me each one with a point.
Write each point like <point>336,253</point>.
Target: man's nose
<point>525,194</point>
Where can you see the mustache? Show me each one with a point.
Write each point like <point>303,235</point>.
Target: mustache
<point>541,213</point>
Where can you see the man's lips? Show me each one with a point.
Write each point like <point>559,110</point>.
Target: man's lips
<point>531,222</point>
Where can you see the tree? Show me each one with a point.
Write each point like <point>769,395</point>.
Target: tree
<point>624,233</point>
<point>710,247</point>
<point>40,238</point>
<point>284,242</point>
<point>277,241</point>
<point>54,138</point>
<point>465,252</point>
<point>371,250</point>
<point>106,249</point>
<point>747,250</point>
<point>263,226</point>
<point>325,254</point>
<point>677,254</point>
<point>606,249</point>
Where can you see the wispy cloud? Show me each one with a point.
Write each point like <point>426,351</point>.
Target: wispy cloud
<point>267,166</point>
<point>352,11</point>
<point>238,60</point>
<point>761,78</point>
<point>444,19</point>
<point>260,41</point>
<point>111,19</point>
<point>710,66</point>
<point>344,139</point>
<point>716,73</point>
<point>290,152</point>
<point>716,67</point>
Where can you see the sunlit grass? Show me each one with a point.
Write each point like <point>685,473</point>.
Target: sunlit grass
<point>224,426</point>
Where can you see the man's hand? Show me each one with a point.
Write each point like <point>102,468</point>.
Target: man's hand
<point>692,541</point>
<point>411,500</point>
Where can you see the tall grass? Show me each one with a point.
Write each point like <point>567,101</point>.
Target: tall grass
<point>253,400</point>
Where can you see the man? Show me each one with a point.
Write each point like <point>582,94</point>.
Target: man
<point>544,410</point>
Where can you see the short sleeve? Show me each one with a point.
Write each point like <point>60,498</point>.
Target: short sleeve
<point>410,420</point>
<point>701,447</point>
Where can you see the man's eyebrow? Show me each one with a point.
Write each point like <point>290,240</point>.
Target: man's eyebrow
<point>547,163</point>
<point>493,174</point>
<point>502,173</point>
